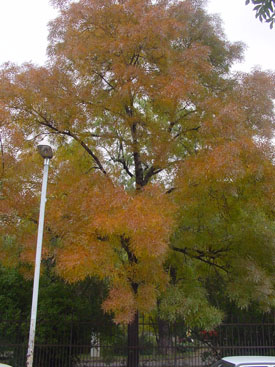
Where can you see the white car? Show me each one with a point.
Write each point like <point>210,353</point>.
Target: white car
<point>4,365</point>
<point>247,361</point>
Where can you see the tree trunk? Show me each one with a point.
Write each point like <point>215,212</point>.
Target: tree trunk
<point>164,340</point>
<point>133,343</point>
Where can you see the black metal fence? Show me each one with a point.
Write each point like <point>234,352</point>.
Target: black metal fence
<point>160,344</point>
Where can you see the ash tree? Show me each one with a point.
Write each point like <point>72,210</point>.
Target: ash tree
<point>152,187</point>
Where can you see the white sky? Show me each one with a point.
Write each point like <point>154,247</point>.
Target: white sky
<point>23,31</point>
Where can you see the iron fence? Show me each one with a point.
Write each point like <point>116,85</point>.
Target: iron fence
<point>83,344</point>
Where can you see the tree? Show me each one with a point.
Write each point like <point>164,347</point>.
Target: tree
<point>265,10</point>
<point>135,94</point>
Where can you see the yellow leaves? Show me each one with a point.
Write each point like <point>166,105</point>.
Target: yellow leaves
<point>225,162</point>
<point>109,211</point>
<point>87,257</point>
<point>256,96</point>
<point>121,300</point>
<point>132,44</point>
<point>146,298</point>
<point>141,85</point>
<point>28,248</point>
<point>225,122</point>
<point>113,234</point>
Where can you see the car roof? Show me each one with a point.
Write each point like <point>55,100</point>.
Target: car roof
<point>250,359</point>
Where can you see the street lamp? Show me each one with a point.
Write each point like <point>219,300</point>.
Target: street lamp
<point>46,153</point>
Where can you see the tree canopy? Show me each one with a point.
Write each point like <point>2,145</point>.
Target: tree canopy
<point>163,173</point>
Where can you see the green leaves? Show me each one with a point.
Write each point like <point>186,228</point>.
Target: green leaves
<point>188,301</point>
<point>264,10</point>
<point>226,223</point>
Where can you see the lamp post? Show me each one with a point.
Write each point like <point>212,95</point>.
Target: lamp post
<point>46,153</point>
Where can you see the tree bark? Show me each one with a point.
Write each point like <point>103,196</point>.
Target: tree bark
<point>164,340</point>
<point>133,342</point>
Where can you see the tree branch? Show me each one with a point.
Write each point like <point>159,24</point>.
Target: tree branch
<point>105,80</point>
<point>151,172</point>
<point>173,123</point>
<point>207,258</point>
<point>121,159</point>
<point>170,190</point>
<point>136,153</point>
<point>49,124</point>
<point>123,162</point>
<point>186,131</point>
<point>125,245</point>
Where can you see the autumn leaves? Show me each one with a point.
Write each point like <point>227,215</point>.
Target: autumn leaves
<point>159,153</point>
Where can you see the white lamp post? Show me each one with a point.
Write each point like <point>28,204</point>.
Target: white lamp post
<point>46,152</point>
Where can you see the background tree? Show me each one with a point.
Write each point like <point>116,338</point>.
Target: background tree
<point>138,99</point>
<point>62,306</point>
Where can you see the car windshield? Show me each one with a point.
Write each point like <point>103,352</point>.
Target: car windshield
<point>222,363</point>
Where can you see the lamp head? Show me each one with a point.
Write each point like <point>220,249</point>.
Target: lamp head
<point>45,151</point>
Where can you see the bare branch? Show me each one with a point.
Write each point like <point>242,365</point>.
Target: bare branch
<point>104,79</point>
<point>173,123</point>
<point>170,190</point>
<point>123,162</point>
<point>46,122</point>
<point>186,131</point>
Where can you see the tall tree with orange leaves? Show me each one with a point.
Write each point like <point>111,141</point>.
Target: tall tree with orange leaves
<point>138,100</point>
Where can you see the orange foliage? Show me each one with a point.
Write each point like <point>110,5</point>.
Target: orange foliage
<point>102,233</point>
<point>136,98</point>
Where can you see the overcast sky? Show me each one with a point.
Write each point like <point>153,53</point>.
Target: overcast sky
<point>23,31</point>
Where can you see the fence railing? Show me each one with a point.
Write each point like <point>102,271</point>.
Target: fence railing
<point>160,345</point>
